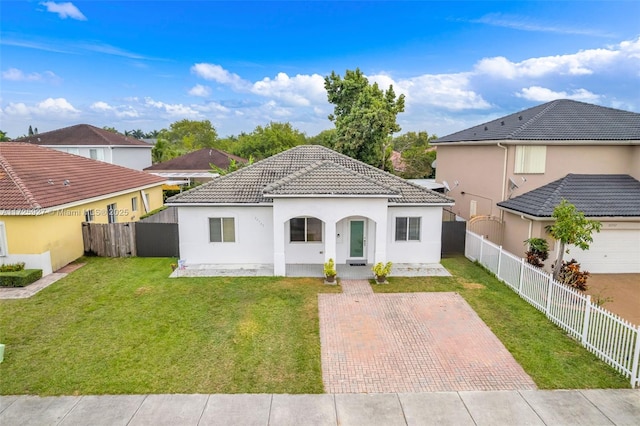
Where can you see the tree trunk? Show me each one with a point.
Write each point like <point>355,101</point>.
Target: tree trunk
<point>558,265</point>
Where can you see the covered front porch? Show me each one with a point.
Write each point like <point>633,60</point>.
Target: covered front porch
<point>345,271</point>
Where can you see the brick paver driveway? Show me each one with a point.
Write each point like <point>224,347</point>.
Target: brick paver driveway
<point>410,342</point>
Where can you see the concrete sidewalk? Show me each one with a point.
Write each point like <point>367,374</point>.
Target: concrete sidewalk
<point>576,407</point>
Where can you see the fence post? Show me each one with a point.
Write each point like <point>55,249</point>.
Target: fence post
<point>522,266</point>
<point>585,322</point>
<point>549,292</point>
<point>481,247</point>
<point>636,358</point>
<point>499,262</point>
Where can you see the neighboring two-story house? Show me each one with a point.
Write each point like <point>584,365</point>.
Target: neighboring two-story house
<point>95,143</point>
<point>46,195</point>
<point>507,175</point>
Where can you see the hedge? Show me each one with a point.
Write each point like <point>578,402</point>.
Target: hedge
<point>20,278</point>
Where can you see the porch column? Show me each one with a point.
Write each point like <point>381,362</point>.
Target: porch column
<point>279,266</point>
<point>381,243</point>
<point>329,240</point>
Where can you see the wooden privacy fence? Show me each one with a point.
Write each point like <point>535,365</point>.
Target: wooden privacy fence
<point>131,239</point>
<point>109,239</point>
<point>609,337</point>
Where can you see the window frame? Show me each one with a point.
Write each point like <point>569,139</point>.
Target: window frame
<point>530,159</point>
<point>89,215</point>
<point>221,231</point>
<point>112,216</point>
<point>4,247</point>
<point>407,229</point>
<point>134,204</point>
<point>306,230</point>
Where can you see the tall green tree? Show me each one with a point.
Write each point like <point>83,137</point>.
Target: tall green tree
<point>417,155</point>
<point>325,138</point>
<point>268,140</point>
<point>4,137</point>
<point>190,135</point>
<point>365,117</point>
<point>570,227</point>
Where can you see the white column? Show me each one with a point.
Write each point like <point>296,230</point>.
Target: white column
<point>381,242</point>
<point>279,266</point>
<point>329,240</point>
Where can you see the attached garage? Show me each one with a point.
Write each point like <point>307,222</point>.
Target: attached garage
<point>613,251</point>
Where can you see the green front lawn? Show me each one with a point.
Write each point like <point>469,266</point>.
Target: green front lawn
<point>552,358</point>
<point>120,326</point>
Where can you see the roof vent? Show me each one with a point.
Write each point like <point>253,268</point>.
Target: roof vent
<point>486,128</point>
<point>520,117</point>
<point>50,181</point>
<point>66,182</point>
<point>502,123</point>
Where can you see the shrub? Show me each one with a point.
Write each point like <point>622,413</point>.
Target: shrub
<point>20,278</point>
<point>538,251</point>
<point>571,275</point>
<point>12,267</point>
<point>330,268</point>
<point>382,270</point>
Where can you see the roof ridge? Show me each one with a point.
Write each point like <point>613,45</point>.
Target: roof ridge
<point>551,105</point>
<point>318,164</point>
<point>28,196</point>
<point>562,182</point>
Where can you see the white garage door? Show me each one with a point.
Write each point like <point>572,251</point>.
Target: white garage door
<point>612,252</point>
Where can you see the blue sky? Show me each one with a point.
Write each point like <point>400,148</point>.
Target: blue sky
<point>146,64</point>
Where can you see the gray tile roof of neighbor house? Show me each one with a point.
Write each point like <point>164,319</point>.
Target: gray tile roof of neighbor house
<point>307,170</point>
<point>559,120</point>
<point>594,195</point>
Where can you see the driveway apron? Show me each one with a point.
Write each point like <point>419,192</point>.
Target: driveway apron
<point>410,342</point>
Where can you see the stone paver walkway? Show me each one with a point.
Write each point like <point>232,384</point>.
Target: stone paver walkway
<point>410,342</point>
<point>41,284</point>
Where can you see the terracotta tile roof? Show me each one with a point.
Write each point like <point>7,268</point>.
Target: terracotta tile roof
<point>559,120</point>
<point>307,169</point>
<point>199,160</point>
<point>594,195</point>
<point>82,134</point>
<point>35,177</point>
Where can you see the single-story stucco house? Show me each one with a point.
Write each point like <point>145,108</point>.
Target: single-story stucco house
<point>304,206</point>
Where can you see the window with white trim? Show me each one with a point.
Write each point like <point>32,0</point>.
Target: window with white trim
<point>3,241</point>
<point>96,154</point>
<point>89,215</point>
<point>112,213</point>
<point>530,159</point>
<point>222,230</point>
<point>305,230</point>
<point>134,204</point>
<point>408,228</point>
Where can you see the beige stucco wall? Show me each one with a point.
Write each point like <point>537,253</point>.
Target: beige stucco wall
<point>479,171</point>
<point>60,232</point>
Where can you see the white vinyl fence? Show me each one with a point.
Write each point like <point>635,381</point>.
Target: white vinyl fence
<point>611,338</point>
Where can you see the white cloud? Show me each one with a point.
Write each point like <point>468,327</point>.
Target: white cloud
<point>56,106</point>
<point>300,90</point>
<point>220,75</point>
<point>542,94</point>
<point>121,111</point>
<point>64,10</point>
<point>584,62</point>
<point>200,90</point>
<point>525,24</point>
<point>14,74</point>
<point>50,107</point>
<point>450,91</point>
<point>174,110</point>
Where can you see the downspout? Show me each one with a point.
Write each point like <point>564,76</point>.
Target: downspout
<point>530,225</point>
<point>504,178</point>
